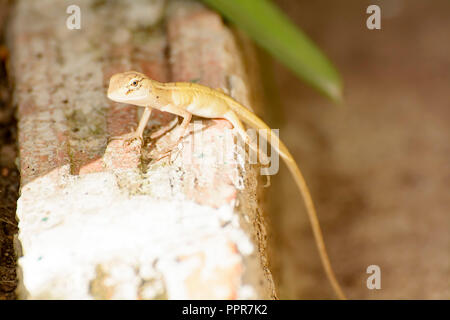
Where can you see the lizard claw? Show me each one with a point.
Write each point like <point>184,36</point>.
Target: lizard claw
<point>162,154</point>
<point>158,155</point>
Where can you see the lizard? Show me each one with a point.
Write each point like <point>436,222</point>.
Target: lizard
<point>187,99</point>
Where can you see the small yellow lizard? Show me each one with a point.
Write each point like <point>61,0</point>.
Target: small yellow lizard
<point>186,99</point>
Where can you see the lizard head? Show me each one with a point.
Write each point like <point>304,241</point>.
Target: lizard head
<point>129,87</point>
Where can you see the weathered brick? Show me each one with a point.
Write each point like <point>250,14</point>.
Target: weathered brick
<point>99,218</point>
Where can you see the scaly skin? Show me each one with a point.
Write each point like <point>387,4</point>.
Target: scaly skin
<point>186,99</point>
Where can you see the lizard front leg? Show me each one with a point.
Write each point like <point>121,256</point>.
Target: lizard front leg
<point>138,134</point>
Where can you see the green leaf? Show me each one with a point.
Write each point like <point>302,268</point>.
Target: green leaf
<point>268,26</point>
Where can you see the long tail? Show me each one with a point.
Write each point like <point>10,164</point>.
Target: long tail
<point>249,118</point>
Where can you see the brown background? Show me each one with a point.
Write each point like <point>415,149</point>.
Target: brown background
<point>378,166</point>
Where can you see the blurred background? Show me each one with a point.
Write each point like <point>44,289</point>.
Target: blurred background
<point>379,166</point>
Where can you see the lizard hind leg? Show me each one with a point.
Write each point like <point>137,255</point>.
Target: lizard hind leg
<point>239,127</point>
<point>187,116</point>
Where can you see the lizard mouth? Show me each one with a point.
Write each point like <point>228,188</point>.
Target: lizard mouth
<point>120,98</point>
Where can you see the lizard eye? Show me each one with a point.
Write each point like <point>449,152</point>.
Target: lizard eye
<point>134,83</point>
